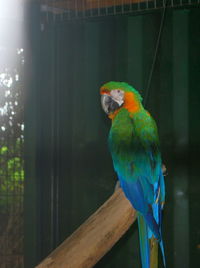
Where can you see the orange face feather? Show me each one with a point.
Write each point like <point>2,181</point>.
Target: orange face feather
<point>130,103</point>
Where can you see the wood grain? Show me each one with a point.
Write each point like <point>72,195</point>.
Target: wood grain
<point>153,253</point>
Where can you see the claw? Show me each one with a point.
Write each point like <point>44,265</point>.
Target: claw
<point>164,170</point>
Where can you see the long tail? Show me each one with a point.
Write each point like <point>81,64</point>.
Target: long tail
<point>144,241</point>
<point>149,245</point>
<point>157,211</point>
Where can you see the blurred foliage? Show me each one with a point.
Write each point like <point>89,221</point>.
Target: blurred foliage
<point>11,128</point>
<point>11,156</point>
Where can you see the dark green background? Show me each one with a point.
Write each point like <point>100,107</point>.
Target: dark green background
<point>69,171</point>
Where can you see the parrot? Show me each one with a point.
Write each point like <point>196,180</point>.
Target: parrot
<point>134,146</point>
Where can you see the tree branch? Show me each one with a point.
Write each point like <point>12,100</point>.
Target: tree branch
<point>95,237</point>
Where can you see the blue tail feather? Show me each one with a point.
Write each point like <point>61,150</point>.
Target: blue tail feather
<point>163,253</point>
<point>144,241</point>
<point>149,219</point>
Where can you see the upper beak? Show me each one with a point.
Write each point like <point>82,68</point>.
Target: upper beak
<point>108,104</point>
<point>105,100</point>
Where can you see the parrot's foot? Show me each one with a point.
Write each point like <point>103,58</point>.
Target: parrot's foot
<point>164,170</point>
<point>117,186</point>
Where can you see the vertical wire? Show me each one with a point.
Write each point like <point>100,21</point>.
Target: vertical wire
<point>52,153</point>
<point>156,52</point>
<point>57,126</point>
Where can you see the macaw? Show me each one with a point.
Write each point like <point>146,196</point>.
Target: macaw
<point>134,146</point>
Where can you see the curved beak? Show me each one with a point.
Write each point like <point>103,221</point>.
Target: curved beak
<point>108,104</point>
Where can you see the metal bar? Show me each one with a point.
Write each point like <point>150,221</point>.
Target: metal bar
<point>181,2</point>
<point>147,4</point>
<point>76,9</point>
<point>47,12</point>
<point>106,10</point>
<point>54,15</point>
<point>138,4</point>
<point>181,133</point>
<point>115,9</point>
<point>68,10</point>
<point>84,7</point>
<point>122,6</point>
<point>130,6</point>
<point>98,7</point>
<point>62,15</point>
<point>90,9</point>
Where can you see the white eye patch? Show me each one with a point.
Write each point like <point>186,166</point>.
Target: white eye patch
<point>117,95</point>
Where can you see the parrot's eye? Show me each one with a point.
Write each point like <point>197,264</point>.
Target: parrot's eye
<point>118,96</point>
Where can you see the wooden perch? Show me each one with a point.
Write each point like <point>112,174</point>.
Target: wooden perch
<point>95,237</point>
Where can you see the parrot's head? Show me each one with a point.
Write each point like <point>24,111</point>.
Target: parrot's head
<point>117,95</point>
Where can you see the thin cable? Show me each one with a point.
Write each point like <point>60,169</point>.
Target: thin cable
<point>156,52</point>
